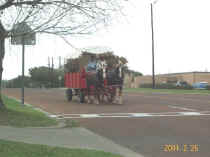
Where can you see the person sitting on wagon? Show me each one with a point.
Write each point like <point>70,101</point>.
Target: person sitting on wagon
<point>92,64</point>
<point>101,67</point>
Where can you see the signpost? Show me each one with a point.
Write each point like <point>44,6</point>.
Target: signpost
<point>23,35</point>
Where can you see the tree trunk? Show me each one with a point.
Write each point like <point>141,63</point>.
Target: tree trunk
<point>2,52</point>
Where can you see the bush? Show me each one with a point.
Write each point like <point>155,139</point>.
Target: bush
<point>148,85</point>
<point>185,87</point>
<point>166,86</point>
<point>159,86</point>
<point>208,87</point>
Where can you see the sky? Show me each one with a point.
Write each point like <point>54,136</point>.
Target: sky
<point>181,32</point>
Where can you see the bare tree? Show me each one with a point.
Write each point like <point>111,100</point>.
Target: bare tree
<point>59,17</point>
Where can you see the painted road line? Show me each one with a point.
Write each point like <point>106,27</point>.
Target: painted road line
<point>106,114</point>
<point>181,108</point>
<point>89,115</point>
<point>132,115</point>
<point>166,98</point>
<point>101,115</point>
<point>141,115</point>
<point>53,116</point>
<point>190,113</point>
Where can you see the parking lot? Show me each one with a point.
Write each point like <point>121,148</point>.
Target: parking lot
<point>151,124</point>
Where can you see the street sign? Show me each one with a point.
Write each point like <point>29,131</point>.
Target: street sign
<point>22,32</point>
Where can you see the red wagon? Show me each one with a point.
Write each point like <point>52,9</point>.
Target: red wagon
<point>77,84</point>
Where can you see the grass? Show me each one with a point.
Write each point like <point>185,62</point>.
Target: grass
<point>71,123</point>
<point>19,149</point>
<point>23,116</point>
<point>169,91</point>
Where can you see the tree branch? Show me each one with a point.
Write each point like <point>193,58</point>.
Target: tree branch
<point>6,5</point>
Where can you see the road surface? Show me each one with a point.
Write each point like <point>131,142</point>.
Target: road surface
<point>152,124</point>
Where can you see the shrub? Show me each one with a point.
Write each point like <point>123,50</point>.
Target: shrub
<point>165,86</point>
<point>146,85</point>
<point>159,86</point>
<point>185,87</point>
<point>208,87</point>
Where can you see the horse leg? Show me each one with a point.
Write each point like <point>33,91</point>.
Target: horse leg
<point>117,96</point>
<point>97,99</point>
<point>88,95</point>
<point>96,96</point>
<point>91,94</point>
<point>120,96</point>
<point>102,96</point>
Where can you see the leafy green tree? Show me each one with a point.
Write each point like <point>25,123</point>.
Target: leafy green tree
<point>17,82</point>
<point>47,77</point>
<point>41,75</point>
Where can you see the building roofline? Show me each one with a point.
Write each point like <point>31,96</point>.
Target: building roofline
<point>185,73</point>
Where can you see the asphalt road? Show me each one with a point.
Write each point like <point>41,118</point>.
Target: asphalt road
<point>153,136</point>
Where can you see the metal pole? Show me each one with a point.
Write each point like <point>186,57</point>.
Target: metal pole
<point>153,63</point>
<point>59,62</point>
<point>23,68</point>
<point>52,73</point>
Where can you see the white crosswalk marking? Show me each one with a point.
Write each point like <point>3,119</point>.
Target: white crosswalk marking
<point>191,113</point>
<point>181,108</point>
<point>131,115</point>
<point>89,115</point>
<point>141,115</point>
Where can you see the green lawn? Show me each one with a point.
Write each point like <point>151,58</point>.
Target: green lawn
<point>169,91</point>
<point>19,149</point>
<point>23,116</point>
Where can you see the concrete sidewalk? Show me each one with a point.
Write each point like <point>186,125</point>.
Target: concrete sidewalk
<point>64,137</point>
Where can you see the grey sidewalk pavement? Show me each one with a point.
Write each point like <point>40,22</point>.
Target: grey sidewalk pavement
<point>64,137</point>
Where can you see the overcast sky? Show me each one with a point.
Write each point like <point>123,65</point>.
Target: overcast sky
<point>182,32</point>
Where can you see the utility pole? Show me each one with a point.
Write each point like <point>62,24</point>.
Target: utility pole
<point>52,63</point>
<point>52,70</point>
<point>59,62</point>
<point>49,72</point>
<point>153,49</point>
<point>49,63</point>
<point>23,67</point>
<point>64,61</point>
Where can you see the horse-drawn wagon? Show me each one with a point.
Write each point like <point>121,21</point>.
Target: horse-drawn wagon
<point>97,80</point>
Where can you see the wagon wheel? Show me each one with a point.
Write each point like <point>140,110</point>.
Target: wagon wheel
<point>69,94</point>
<point>82,97</point>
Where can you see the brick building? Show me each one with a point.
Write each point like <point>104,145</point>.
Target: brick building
<point>189,77</point>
